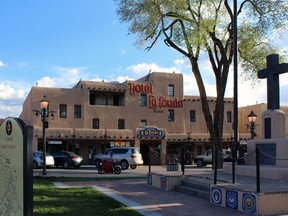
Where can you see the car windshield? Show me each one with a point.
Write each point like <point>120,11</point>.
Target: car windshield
<point>108,151</point>
<point>73,154</point>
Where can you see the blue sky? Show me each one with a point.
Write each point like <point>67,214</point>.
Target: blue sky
<point>56,43</point>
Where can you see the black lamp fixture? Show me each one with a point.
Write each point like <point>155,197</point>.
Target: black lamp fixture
<point>252,117</point>
<point>44,113</point>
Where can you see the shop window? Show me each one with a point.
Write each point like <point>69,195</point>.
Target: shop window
<point>143,123</point>
<point>143,100</point>
<point>96,124</point>
<point>229,117</point>
<point>171,90</point>
<point>192,116</point>
<point>121,124</point>
<point>77,111</point>
<point>63,111</point>
<point>171,116</point>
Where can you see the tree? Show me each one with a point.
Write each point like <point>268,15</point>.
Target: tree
<point>193,27</point>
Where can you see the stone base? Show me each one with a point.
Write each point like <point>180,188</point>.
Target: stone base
<point>280,155</point>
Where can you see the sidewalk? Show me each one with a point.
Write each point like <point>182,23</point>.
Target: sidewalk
<point>151,201</point>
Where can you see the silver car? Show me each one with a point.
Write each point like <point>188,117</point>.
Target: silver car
<point>38,159</point>
<point>126,156</point>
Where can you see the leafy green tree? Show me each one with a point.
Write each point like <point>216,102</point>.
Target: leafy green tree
<point>193,27</point>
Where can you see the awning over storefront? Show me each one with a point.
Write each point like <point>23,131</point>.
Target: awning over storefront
<point>199,137</point>
<point>64,133</point>
<point>184,137</point>
<point>119,134</point>
<point>89,133</point>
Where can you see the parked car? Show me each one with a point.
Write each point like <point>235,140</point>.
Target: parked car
<point>67,159</point>
<point>38,159</point>
<point>126,156</point>
<point>206,158</point>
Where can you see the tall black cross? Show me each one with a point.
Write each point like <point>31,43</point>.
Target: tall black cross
<point>272,74</point>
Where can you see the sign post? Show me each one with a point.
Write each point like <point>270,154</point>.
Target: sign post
<point>16,174</point>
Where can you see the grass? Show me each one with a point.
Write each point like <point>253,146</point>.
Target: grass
<point>50,200</point>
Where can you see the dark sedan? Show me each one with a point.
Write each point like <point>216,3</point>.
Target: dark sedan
<point>67,159</point>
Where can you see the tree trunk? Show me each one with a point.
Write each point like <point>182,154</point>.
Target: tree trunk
<point>214,125</point>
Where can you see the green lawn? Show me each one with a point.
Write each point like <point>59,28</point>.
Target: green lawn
<point>50,200</point>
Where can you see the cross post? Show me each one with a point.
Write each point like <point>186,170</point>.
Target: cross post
<point>271,72</point>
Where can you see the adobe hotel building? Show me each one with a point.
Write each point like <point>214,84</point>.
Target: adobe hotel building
<point>149,112</point>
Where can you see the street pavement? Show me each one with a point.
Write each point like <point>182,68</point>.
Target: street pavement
<point>151,201</point>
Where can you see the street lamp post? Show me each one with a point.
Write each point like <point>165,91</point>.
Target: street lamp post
<point>252,117</point>
<point>44,118</point>
<point>44,114</point>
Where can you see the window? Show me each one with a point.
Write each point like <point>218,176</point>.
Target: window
<point>106,98</point>
<point>170,115</point>
<point>171,90</point>
<point>95,124</point>
<point>121,124</point>
<point>229,117</point>
<point>63,111</point>
<point>143,100</point>
<point>192,116</point>
<point>77,111</point>
<point>143,123</point>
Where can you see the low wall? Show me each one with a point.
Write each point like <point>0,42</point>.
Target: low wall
<point>251,203</point>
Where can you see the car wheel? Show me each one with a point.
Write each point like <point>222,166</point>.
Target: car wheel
<point>35,165</point>
<point>133,166</point>
<point>66,165</point>
<point>97,162</point>
<point>199,163</point>
<point>101,170</point>
<point>124,164</point>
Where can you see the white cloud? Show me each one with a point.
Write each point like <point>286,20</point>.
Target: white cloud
<point>143,68</point>
<point>10,111</point>
<point>179,62</point>
<point>46,82</point>
<point>12,95</point>
<point>65,77</point>
<point>6,91</point>
<point>190,85</point>
<point>123,52</point>
<point>11,92</point>
<point>122,79</point>
<point>2,64</point>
